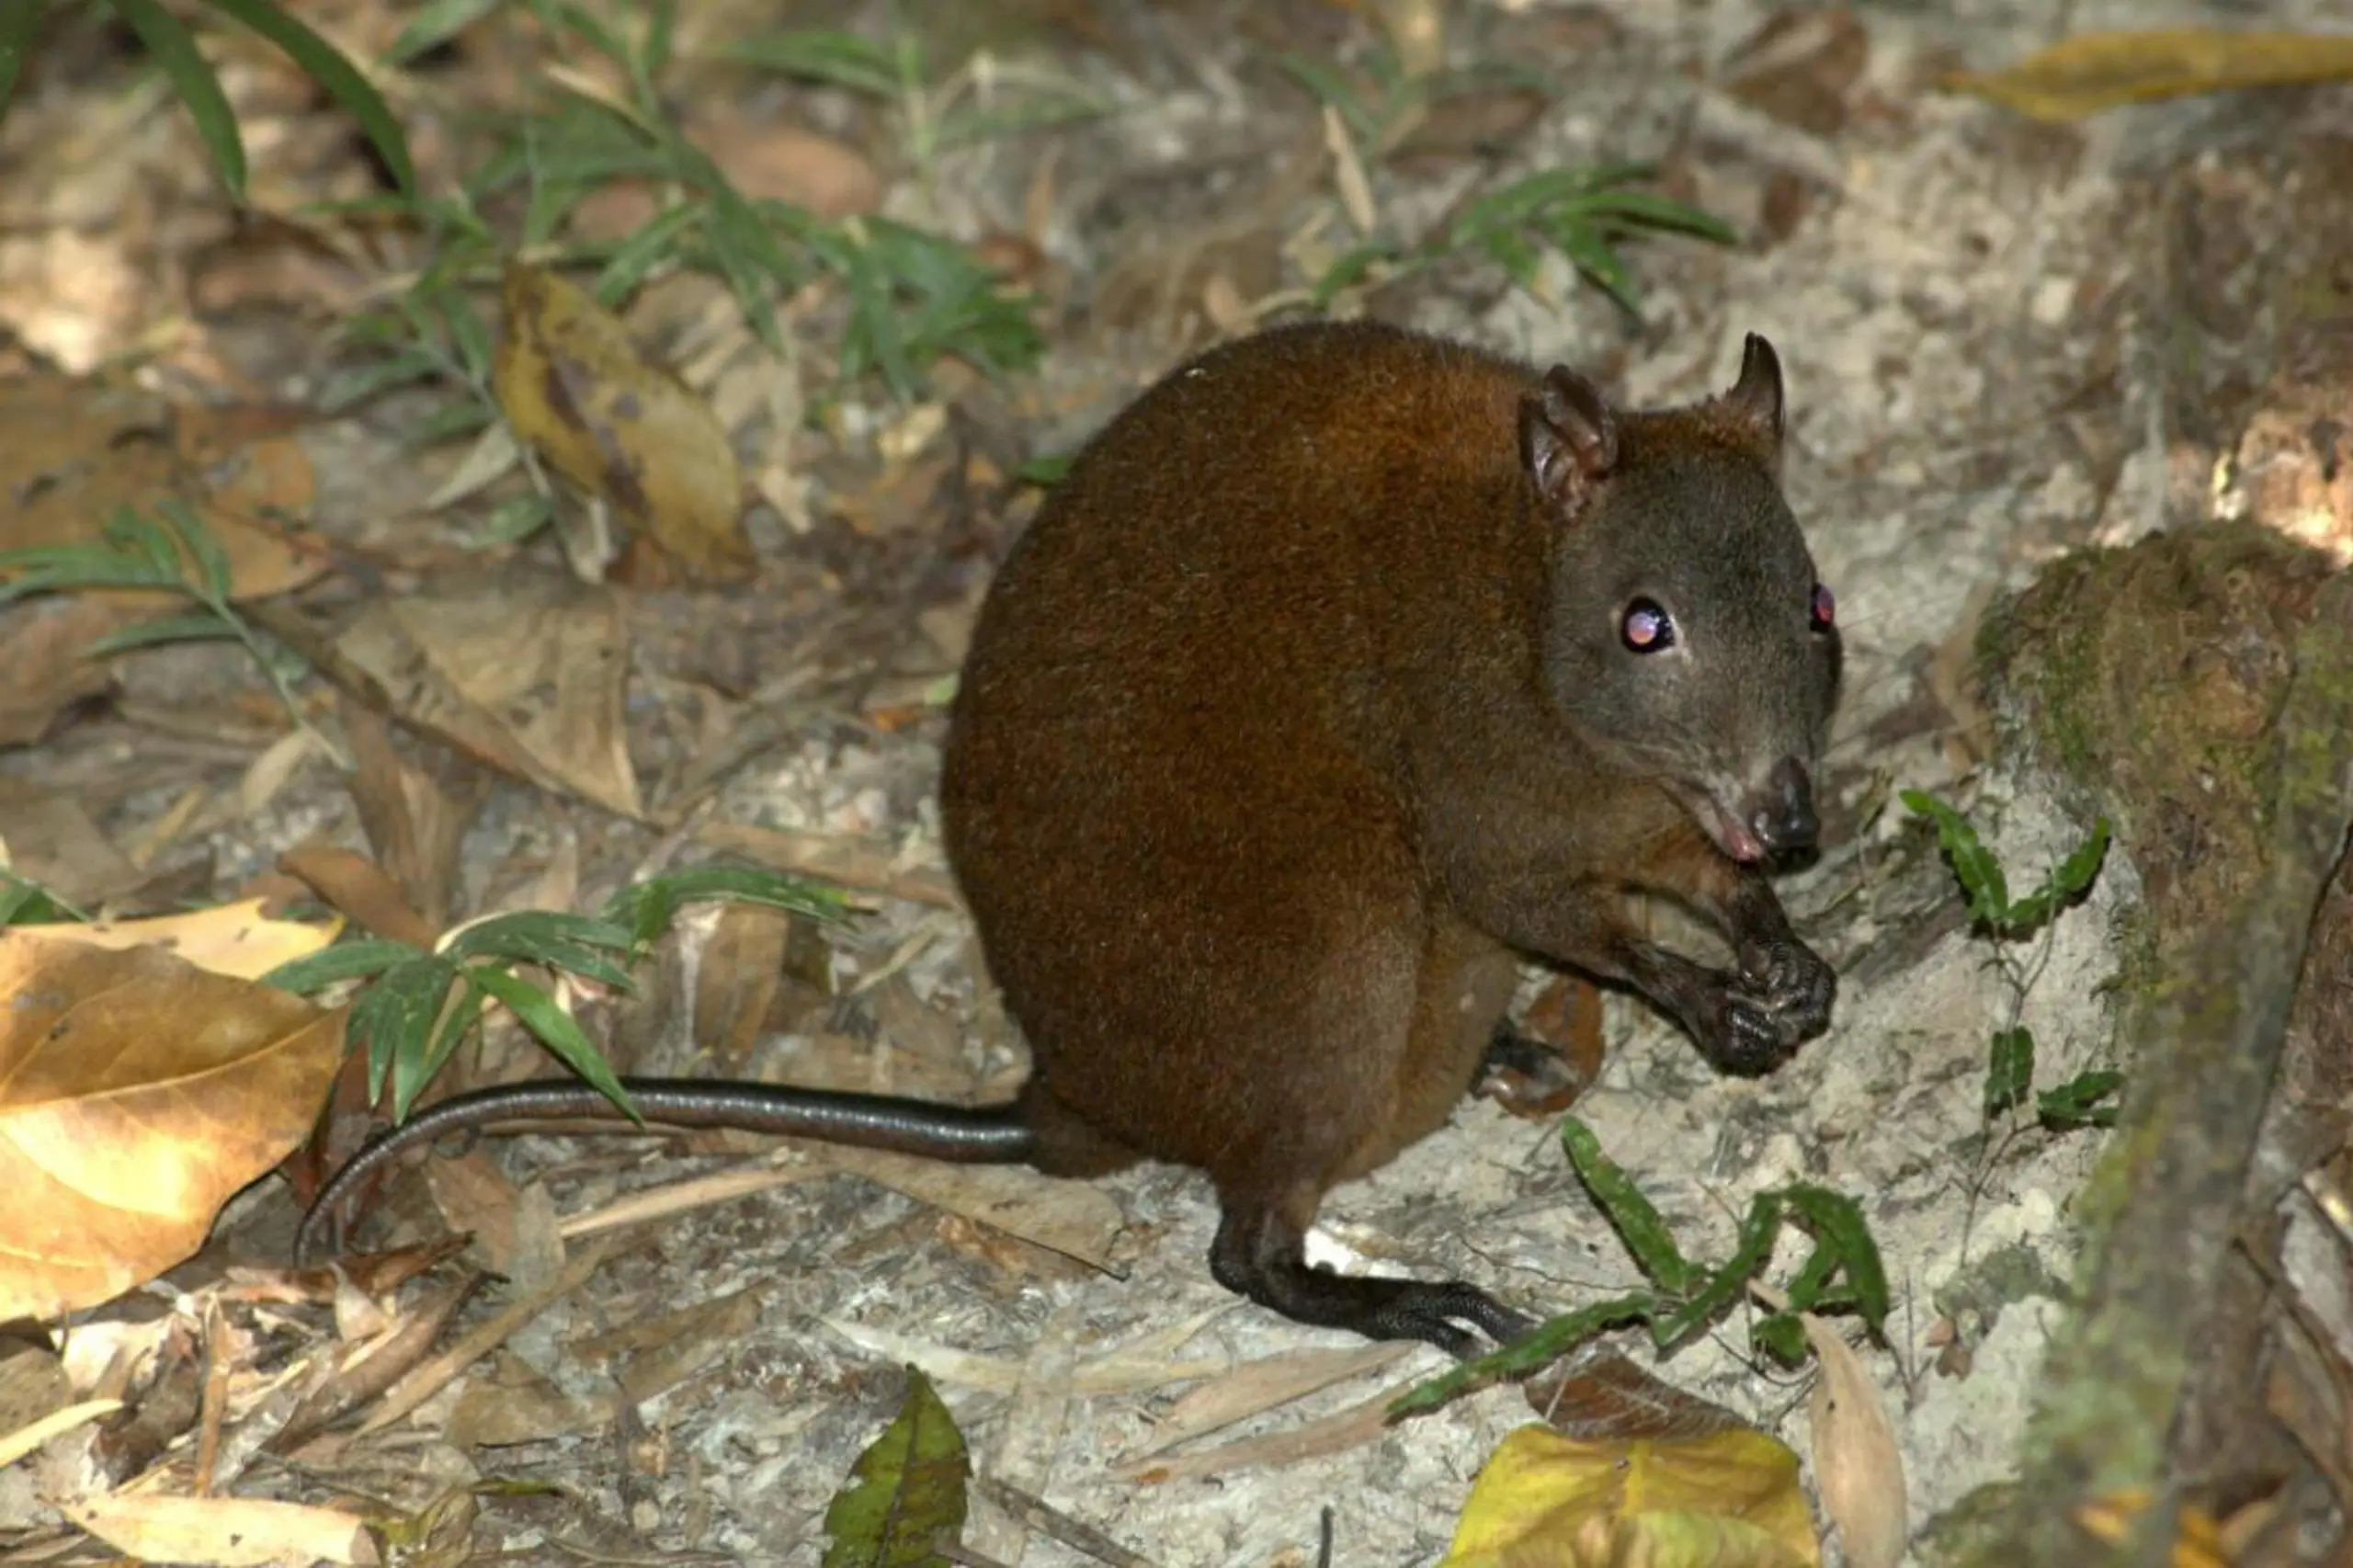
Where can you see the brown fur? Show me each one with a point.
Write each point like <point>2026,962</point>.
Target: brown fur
<point>1254,782</point>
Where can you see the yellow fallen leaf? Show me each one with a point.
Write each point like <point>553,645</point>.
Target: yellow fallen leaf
<point>1727,1500</point>
<point>137,1094</point>
<point>574,384</point>
<point>234,939</point>
<point>2198,1542</point>
<point>223,1530</point>
<point>2083,75</point>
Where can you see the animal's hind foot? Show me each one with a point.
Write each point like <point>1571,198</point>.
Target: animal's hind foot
<point>1259,1255</point>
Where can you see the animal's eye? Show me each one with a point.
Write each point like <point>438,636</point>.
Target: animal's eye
<point>1646,628</point>
<point>1826,606</point>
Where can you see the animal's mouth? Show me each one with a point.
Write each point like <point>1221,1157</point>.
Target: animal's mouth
<point>1732,835</point>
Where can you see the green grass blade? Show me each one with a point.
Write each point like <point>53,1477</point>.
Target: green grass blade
<point>393,1019</point>
<point>1651,211</point>
<point>1540,1350</point>
<point>18,22</point>
<point>347,389</point>
<point>646,909</point>
<point>348,961</point>
<point>573,942</point>
<point>1782,1336</point>
<point>555,1028</point>
<point>195,626</point>
<point>836,58</point>
<point>173,48</point>
<point>341,80</point>
<point>436,24</point>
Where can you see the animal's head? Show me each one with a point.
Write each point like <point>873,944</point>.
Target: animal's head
<point>1688,636</point>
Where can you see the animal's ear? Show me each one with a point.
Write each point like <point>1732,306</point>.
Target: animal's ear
<point>1568,439</point>
<point>1755,399</point>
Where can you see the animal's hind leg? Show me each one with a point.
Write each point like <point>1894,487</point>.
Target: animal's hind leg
<point>1260,1252</point>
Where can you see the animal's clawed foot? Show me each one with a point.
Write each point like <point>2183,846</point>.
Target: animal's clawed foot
<point>1779,998</point>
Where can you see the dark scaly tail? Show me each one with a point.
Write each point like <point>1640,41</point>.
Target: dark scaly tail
<point>963,1134</point>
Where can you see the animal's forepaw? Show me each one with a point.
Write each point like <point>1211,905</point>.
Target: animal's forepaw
<point>1791,982</point>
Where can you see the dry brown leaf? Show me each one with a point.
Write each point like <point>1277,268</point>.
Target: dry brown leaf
<point>229,1532</point>
<point>573,383</point>
<point>1258,1386</point>
<point>1730,1500</point>
<point>137,1094</point>
<point>358,888</point>
<point>1612,1398</point>
<point>2081,77</point>
<point>47,838</point>
<point>1073,1218</point>
<point>44,646</point>
<point>33,1384</point>
<point>415,818</point>
<point>741,965</point>
<point>767,160</point>
<point>650,1204</point>
<point>1338,1432</point>
<point>429,1378</point>
<point>232,939</point>
<point>18,1441</point>
<point>517,1404</point>
<point>527,678</point>
<point>1857,1464</point>
<point>74,451</point>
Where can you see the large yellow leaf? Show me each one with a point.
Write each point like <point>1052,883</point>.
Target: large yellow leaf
<point>137,1093</point>
<point>234,939</point>
<point>2083,75</point>
<point>1727,1500</point>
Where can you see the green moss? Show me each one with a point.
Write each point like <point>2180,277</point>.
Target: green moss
<point>2147,681</point>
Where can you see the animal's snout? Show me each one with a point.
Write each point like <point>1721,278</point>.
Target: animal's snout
<point>1781,815</point>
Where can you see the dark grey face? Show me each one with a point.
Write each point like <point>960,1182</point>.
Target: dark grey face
<point>1690,637</point>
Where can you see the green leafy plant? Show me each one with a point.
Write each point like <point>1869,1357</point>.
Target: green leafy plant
<point>909,297</point>
<point>173,49</point>
<point>935,112</point>
<point>1382,102</point>
<point>1584,214</point>
<point>171,552</point>
<point>2011,924</point>
<point>419,1006</point>
<point>24,902</point>
<point>1842,1274</point>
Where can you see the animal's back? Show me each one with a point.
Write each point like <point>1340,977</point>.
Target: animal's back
<point>1169,792</point>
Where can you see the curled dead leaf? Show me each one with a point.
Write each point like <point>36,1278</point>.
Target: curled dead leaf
<point>575,384</point>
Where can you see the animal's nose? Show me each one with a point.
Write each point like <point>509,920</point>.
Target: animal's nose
<point>1783,817</point>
